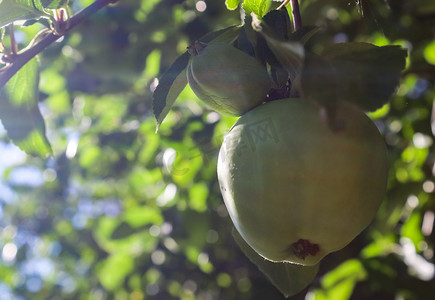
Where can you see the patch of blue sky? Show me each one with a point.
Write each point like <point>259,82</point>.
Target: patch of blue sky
<point>26,176</point>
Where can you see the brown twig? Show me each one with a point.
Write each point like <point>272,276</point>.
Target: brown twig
<point>14,46</point>
<point>297,19</point>
<point>22,58</point>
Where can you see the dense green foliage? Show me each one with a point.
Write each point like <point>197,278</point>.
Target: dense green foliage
<point>120,212</point>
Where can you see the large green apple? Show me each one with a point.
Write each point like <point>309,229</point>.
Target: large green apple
<point>296,189</point>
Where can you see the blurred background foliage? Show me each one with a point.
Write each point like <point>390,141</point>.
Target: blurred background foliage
<point>121,212</point>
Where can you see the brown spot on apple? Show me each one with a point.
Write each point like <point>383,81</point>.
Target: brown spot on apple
<point>302,248</point>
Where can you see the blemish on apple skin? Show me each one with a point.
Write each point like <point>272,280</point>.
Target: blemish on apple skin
<point>302,248</point>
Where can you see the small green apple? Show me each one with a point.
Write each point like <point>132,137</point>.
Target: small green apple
<point>226,79</point>
<point>296,189</point>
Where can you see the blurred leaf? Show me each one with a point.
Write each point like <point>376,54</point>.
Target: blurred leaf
<point>139,216</point>
<point>380,245</point>
<point>20,10</point>
<point>351,269</point>
<point>412,229</point>
<point>19,111</point>
<point>429,53</point>
<point>114,269</point>
<point>152,64</point>
<point>196,234</point>
<point>290,279</point>
<point>123,230</point>
<point>114,237</point>
<point>340,282</point>
<point>198,196</point>
<point>424,7</point>
<point>89,156</point>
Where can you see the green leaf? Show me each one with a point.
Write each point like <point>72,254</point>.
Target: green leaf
<point>20,10</point>
<point>424,7</point>
<point>258,7</point>
<point>19,111</point>
<point>140,216</point>
<point>304,34</point>
<point>289,54</point>
<point>340,282</point>
<point>290,279</point>
<point>171,84</point>
<point>114,269</point>
<point>232,4</point>
<point>282,49</point>
<point>412,229</point>
<point>54,4</point>
<point>123,230</point>
<point>429,53</point>
<point>367,74</point>
<point>279,23</point>
<point>226,35</point>
<point>319,81</point>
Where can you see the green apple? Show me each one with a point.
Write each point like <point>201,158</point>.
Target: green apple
<point>296,189</point>
<point>226,79</point>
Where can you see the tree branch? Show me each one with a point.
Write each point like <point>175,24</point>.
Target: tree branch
<point>14,46</point>
<point>297,19</point>
<point>22,58</point>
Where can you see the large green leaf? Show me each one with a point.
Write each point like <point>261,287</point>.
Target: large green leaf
<point>368,75</point>
<point>319,82</point>
<point>361,73</point>
<point>20,10</point>
<point>19,111</point>
<point>290,279</point>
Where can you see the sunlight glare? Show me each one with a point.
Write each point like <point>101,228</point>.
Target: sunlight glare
<point>201,6</point>
<point>9,252</point>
